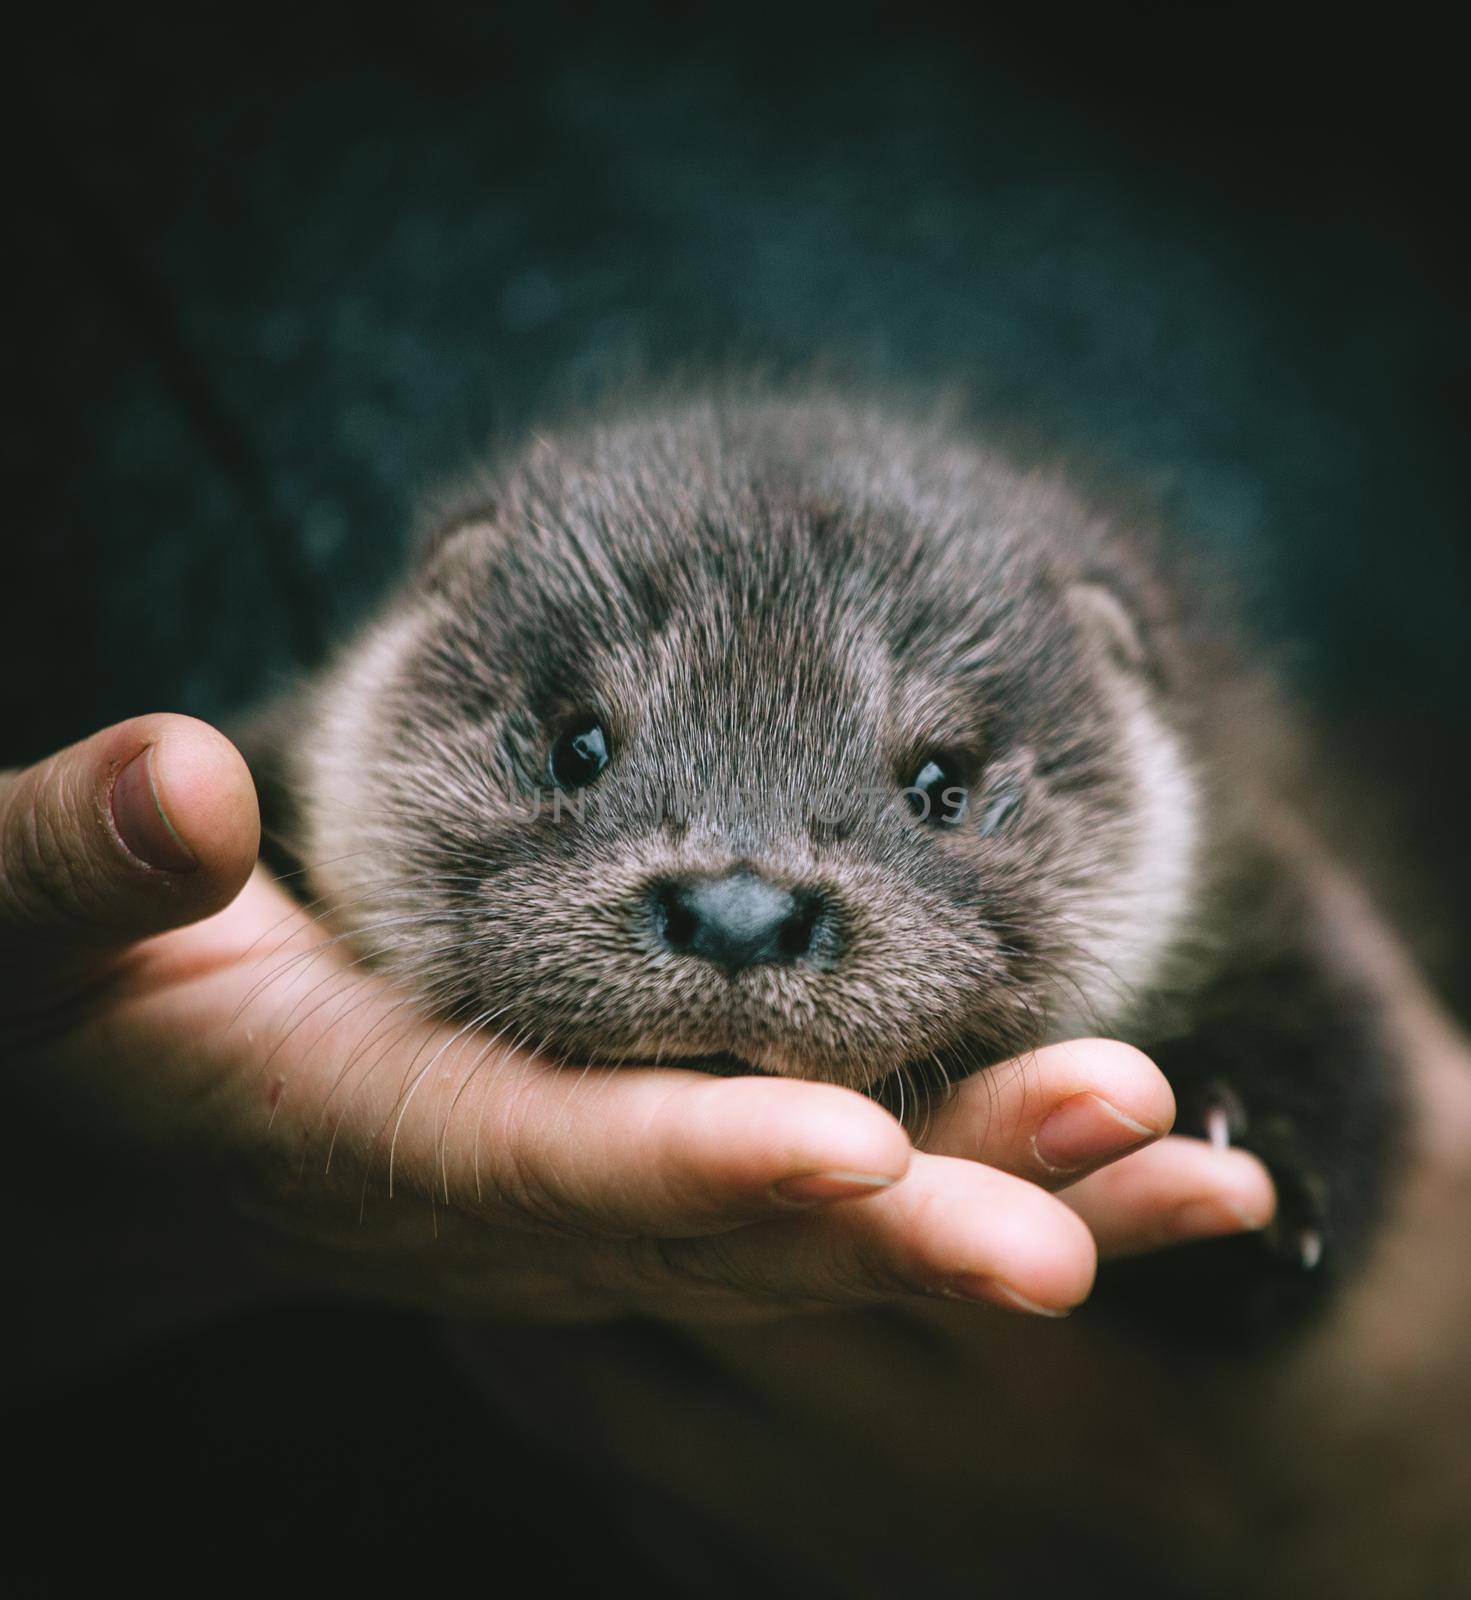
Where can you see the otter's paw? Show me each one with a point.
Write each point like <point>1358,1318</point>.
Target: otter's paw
<point>1299,1233</point>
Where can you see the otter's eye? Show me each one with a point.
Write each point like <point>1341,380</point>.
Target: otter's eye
<point>936,793</point>
<point>579,755</point>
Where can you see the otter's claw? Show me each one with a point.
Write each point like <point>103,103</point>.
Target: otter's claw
<point>1301,1246</point>
<point>1223,1116</point>
<point>1299,1235</point>
<point>1309,1248</point>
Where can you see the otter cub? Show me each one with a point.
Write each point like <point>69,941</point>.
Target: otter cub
<point>797,738</point>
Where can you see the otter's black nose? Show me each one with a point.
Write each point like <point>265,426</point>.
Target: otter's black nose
<point>740,920</point>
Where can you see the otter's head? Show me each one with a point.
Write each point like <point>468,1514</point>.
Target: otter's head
<point>778,739</point>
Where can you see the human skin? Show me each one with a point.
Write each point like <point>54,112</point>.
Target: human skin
<point>223,1110</point>
<point>175,1043</point>
<point>924,1448</point>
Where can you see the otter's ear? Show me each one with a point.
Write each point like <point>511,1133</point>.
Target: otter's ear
<point>457,512</point>
<point>1104,612</point>
<point>442,547</point>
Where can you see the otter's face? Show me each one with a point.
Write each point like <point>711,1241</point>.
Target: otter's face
<point>755,782</point>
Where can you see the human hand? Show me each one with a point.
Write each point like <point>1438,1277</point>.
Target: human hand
<point>227,1108</point>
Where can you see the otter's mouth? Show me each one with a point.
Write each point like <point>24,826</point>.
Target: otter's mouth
<point>909,1092</point>
<point>720,1064</point>
<point>906,1091</point>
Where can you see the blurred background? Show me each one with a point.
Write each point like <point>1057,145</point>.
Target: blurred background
<point>277,273</point>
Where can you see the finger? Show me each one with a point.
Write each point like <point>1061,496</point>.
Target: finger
<point>1178,1190</point>
<point>951,1227</point>
<point>610,1150</point>
<point>1057,1113</point>
<point>675,1153</point>
<point>145,826</point>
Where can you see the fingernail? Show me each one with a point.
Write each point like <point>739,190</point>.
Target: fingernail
<point>970,1287</point>
<point>1209,1219</point>
<point>820,1188</point>
<point>1084,1130</point>
<point>141,821</point>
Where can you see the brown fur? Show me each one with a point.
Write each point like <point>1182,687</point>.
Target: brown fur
<point>778,609</point>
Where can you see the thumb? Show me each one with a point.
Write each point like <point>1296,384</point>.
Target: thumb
<point>145,826</point>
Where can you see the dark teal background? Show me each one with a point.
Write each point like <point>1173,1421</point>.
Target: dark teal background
<point>279,275</point>
<point>274,273</point>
